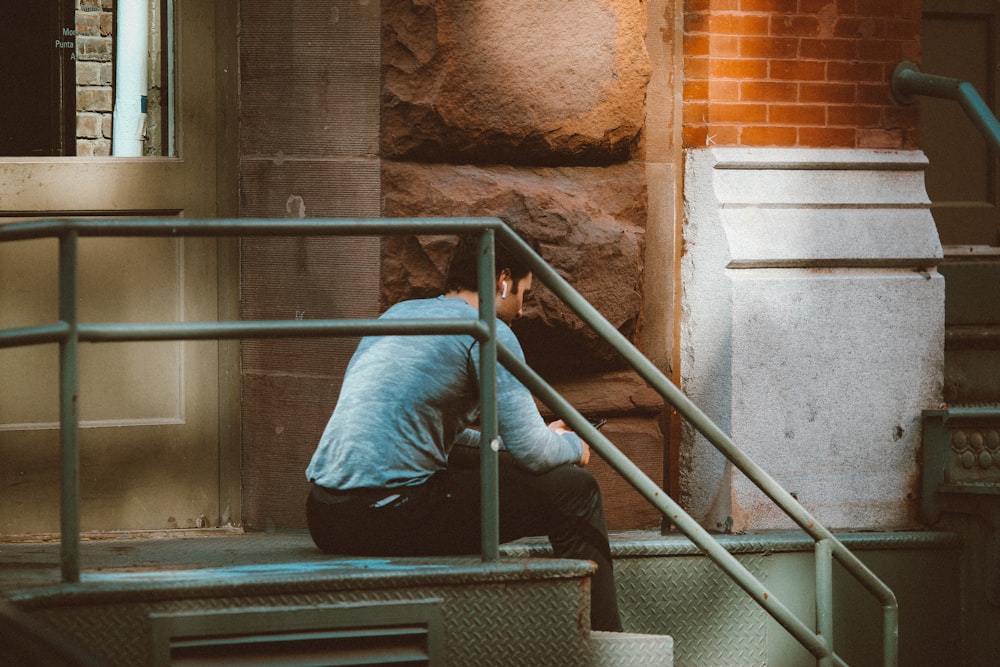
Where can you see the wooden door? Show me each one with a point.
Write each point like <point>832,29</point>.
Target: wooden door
<point>151,413</point>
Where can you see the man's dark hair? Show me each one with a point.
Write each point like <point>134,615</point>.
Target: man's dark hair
<point>463,272</point>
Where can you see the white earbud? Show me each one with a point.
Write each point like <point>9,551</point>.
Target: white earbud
<point>503,292</point>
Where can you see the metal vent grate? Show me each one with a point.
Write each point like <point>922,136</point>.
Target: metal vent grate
<point>405,633</point>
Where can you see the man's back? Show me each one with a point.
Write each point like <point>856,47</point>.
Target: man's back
<point>404,401</point>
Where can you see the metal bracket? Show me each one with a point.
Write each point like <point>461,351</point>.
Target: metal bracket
<point>961,456</point>
<point>908,82</point>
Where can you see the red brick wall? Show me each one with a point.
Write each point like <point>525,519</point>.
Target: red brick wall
<point>798,73</point>
<point>94,74</point>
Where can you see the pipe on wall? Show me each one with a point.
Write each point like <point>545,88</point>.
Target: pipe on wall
<point>131,73</point>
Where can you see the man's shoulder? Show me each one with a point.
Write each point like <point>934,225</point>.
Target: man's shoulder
<point>507,336</point>
<point>405,308</point>
<point>428,307</point>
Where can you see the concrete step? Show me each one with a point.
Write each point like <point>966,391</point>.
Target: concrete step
<point>629,649</point>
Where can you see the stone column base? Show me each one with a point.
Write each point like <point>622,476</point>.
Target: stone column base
<point>813,331</point>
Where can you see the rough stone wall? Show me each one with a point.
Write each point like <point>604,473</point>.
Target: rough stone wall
<point>533,112</point>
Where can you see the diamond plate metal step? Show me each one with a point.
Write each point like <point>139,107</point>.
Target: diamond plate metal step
<point>666,586</point>
<point>627,649</point>
<point>526,610</point>
<point>522,612</point>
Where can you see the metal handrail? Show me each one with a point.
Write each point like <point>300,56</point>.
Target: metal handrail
<point>69,333</point>
<point>819,646</point>
<point>908,82</point>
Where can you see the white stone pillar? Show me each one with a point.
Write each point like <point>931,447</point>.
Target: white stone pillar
<point>813,331</point>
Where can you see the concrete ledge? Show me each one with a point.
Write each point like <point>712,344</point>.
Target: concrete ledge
<point>811,159</point>
<point>333,575</point>
<point>640,544</point>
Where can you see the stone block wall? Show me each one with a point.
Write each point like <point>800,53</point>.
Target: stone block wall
<point>814,333</point>
<point>533,112</point>
<point>567,120</point>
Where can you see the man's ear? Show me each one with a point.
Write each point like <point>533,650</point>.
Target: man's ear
<point>504,275</point>
<point>504,283</point>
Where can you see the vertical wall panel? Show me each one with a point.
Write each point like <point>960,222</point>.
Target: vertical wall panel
<point>309,139</point>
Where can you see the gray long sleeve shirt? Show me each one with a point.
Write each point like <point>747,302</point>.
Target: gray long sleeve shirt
<point>407,400</point>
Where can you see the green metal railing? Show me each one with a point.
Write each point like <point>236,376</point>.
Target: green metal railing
<point>908,82</point>
<point>69,333</point>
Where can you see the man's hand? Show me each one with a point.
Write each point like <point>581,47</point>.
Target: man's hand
<point>559,426</point>
<point>585,457</point>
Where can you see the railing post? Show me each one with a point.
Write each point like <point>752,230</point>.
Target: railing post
<point>69,409</point>
<point>890,635</point>
<point>489,444</point>
<point>824,598</point>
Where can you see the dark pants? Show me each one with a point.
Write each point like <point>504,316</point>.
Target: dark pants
<point>442,517</point>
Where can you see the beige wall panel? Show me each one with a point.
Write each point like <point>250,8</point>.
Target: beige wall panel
<point>149,411</point>
<point>121,280</point>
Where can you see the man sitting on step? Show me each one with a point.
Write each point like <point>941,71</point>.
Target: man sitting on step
<point>386,475</point>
